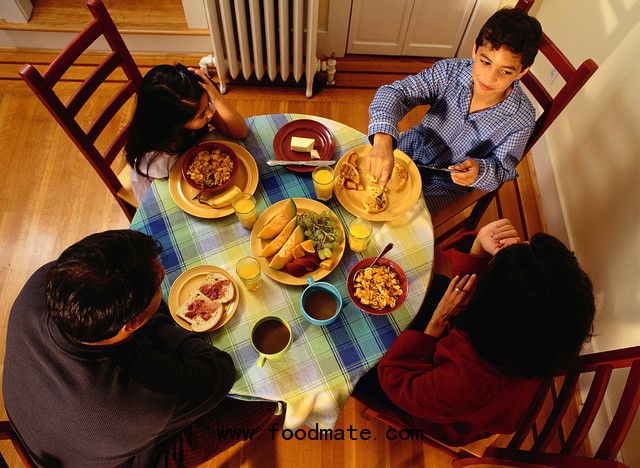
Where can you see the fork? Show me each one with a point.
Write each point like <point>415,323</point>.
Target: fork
<point>379,197</point>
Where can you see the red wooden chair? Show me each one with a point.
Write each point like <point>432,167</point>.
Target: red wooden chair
<point>67,114</point>
<point>551,435</point>
<point>453,218</point>
<point>7,433</point>
<point>553,447</point>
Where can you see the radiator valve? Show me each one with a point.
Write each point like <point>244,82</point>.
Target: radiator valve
<point>331,70</point>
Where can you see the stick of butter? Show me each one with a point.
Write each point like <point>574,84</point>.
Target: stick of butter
<point>304,145</point>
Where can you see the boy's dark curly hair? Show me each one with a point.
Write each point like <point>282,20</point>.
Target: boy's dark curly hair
<point>515,30</point>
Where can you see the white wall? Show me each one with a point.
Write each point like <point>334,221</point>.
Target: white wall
<point>594,149</point>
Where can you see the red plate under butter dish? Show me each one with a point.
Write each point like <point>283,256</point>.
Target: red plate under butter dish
<point>325,143</point>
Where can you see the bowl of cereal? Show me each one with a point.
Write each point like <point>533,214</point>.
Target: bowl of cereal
<point>377,290</point>
<point>210,166</point>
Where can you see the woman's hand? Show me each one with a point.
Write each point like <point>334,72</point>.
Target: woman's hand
<point>495,236</point>
<point>380,160</point>
<point>471,170</point>
<point>454,299</point>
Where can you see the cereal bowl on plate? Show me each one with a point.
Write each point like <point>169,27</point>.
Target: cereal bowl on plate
<point>210,166</point>
<point>378,290</point>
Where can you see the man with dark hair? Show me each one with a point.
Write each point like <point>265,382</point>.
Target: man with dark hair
<point>479,118</point>
<point>94,377</point>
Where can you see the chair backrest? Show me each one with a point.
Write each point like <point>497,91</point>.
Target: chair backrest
<point>66,114</point>
<point>542,441</point>
<point>7,433</point>
<point>552,106</point>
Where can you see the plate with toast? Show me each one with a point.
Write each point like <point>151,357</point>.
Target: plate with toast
<point>361,194</point>
<point>203,298</point>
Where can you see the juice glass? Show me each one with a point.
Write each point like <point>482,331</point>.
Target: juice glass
<point>248,270</point>
<point>360,231</point>
<point>244,206</point>
<point>323,182</point>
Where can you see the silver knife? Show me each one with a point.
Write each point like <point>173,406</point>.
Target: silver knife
<point>277,162</point>
<point>442,169</point>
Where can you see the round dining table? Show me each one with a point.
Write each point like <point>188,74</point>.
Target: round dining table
<point>317,374</point>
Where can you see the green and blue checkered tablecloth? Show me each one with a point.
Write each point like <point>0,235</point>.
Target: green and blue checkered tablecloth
<point>324,363</point>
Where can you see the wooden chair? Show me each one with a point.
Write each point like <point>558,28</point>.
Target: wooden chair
<point>552,435</point>
<point>67,114</point>
<point>7,433</point>
<point>453,217</point>
<point>541,440</point>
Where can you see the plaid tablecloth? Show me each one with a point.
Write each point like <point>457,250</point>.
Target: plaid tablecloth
<point>324,363</point>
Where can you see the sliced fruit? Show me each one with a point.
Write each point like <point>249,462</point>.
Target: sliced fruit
<point>285,254</point>
<point>309,263</point>
<point>298,251</point>
<point>294,269</point>
<point>327,264</point>
<point>278,221</point>
<point>308,246</point>
<point>277,243</point>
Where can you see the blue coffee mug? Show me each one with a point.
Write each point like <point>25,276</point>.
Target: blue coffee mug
<point>320,302</point>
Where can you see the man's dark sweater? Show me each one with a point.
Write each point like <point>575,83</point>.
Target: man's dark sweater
<point>77,405</point>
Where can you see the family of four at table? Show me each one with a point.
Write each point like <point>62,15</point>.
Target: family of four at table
<point>97,373</point>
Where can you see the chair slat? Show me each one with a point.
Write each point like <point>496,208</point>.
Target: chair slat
<point>92,83</point>
<point>621,422</point>
<point>597,391</point>
<point>71,52</point>
<point>119,99</point>
<point>559,409</point>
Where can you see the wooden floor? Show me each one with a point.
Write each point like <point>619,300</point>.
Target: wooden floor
<point>50,198</point>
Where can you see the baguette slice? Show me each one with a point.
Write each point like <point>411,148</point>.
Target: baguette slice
<point>201,312</point>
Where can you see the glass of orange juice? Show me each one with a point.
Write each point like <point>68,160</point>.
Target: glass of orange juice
<point>248,270</point>
<point>323,182</point>
<point>360,231</point>
<point>245,207</point>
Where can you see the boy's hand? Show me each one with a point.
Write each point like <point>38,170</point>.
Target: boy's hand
<point>380,159</point>
<point>495,236</point>
<point>471,170</point>
<point>454,300</point>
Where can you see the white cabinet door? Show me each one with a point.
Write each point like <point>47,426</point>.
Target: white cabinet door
<point>420,28</point>
<point>378,27</point>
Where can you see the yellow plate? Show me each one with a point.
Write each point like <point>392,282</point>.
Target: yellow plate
<point>303,205</point>
<point>192,279</point>
<point>400,201</point>
<point>183,193</point>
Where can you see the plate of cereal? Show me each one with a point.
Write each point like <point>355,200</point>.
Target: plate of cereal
<point>357,190</point>
<point>245,180</point>
<point>377,290</point>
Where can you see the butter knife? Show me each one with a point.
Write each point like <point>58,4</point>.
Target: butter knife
<point>277,162</point>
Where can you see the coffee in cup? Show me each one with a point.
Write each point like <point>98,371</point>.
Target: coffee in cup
<point>271,337</point>
<point>320,302</point>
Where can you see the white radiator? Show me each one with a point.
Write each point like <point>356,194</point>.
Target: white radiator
<point>258,36</point>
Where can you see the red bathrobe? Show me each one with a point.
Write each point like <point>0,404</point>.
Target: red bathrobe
<point>446,389</point>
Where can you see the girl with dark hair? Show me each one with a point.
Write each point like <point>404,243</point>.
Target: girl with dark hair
<point>473,358</point>
<point>175,106</point>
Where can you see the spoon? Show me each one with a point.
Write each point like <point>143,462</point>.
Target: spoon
<point>388,247</point>
<point>207,183</point>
